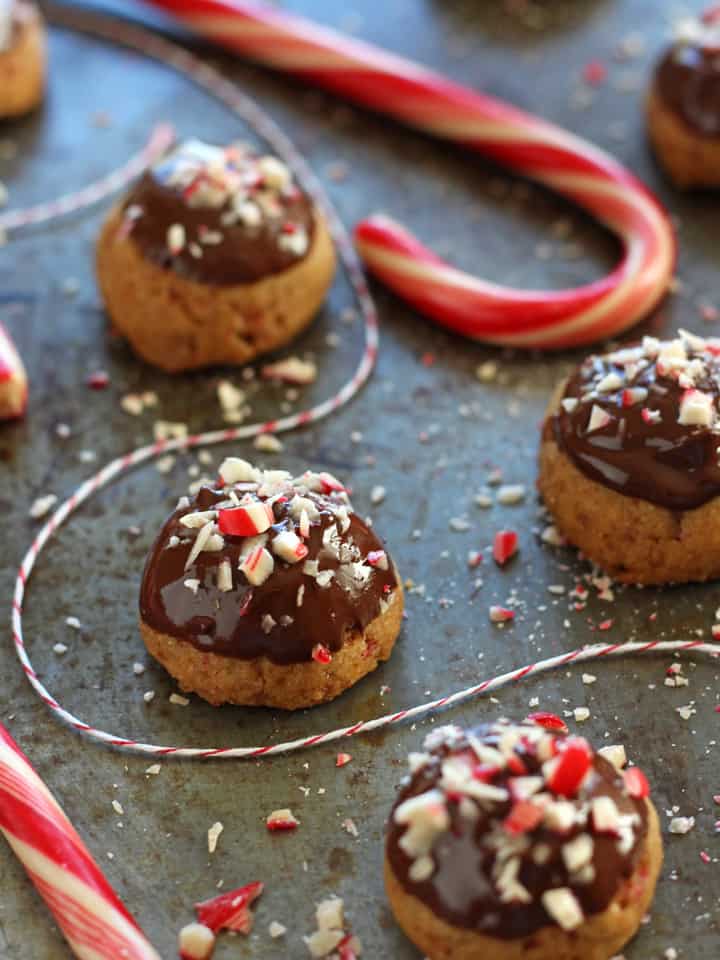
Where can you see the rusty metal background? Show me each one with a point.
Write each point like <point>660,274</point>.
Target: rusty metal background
<point>431,434</point>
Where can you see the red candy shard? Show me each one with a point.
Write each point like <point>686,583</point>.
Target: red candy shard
<point>485,772</point>
<point>515,765</point>
<point>345,948</point>
<point>246,520</point>
<point>330,484</point>
<point>504,546</point>
<point>282,820</point>
<point>231,910</point>
<point>342,759</point>
<point>548,720</point>
<point>321,654</point>
<point>572,765</point>
<point>594,73</point>
<point>636,783</point>
<point>98,380</point>
<point>523,817</point>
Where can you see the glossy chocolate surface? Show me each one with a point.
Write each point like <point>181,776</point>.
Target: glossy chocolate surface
<point>688,82</point>
<point>462,889</point>
<point>237,228</point>
<point>282,618</point>
<point>644,450</point>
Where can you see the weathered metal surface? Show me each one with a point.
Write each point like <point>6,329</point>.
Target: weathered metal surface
<point>431,432</point>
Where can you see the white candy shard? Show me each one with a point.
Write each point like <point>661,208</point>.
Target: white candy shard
<point>562,906</point>
<point>609,383</point>
<point>235,470</point>
<point>615,754</point>
<point>605,815</point>
<point>213,835</point>
<point>224,576</point>
<point>196,942</point>
<point>599,418</point>
<point>681,825</point>
<point>293,370</point>
<point>696,409</point>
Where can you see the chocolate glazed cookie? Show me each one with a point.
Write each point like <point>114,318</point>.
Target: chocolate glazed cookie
<point>215,256</point>
<point>517,842</point>
<point>629,463</point>
<point>683,105</point>
<point>269,590</point>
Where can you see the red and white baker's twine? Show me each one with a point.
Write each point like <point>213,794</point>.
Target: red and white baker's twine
<point>161,138</point>
<point>526,144</point>
<point>91,916</point>
<point>229,94</point>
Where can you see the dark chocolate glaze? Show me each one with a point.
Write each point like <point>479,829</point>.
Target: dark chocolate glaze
<point>230,623</point>
<point>668,463</point>
<point>461,890</point>
<point>687,80</point>
<point>245,254</point>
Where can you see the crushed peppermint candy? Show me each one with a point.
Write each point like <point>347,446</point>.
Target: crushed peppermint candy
<point>503,788</point>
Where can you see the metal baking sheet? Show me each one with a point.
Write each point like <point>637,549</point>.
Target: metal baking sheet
<point>432,435</point>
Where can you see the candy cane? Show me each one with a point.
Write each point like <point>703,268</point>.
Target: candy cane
<point>94,921</point>
<point>13,379</point>
<point>526,144</point>
<point>161,138</point>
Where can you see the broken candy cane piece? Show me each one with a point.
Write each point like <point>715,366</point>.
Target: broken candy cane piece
<point>282,820</point>
<point>321,654</point>
<point>231,910</point>
<point>550,721</point>
<point>696,409</point>
<point>501,614</point>
<point>247,520</point>
<point>523,817</point>
<point>13,379</point>
<point>571,767</point>
<point>257,566</point>
<point>289,547</point>
<point>636,783</point>
<point>196,942</point>
<point>378,558</point>
<point>330,484</point>
<point>505,546</point>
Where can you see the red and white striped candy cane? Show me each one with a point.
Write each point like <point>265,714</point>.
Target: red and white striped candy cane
<point>13,379</point>
<point>94,921</point>
<point>526,144</point>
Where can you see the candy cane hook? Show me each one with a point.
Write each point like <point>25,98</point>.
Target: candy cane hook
<point>525,144</point>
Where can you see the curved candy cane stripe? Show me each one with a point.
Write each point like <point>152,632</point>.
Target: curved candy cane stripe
<point>517,140</point>
<point>161,138</point>
<point>94,921</point>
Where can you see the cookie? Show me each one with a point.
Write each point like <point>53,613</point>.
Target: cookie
<point>269,590</point>
<point>629,464</point>
<point>216,256</point>
<point>683,105</point>
<point>518,842</point>
<point>22,57</point>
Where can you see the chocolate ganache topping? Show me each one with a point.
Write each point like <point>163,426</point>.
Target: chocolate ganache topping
<point>645,421</point>
<point>688,77</point>
<point>266,565</point>
<point>219,216</point>
<point>514,827</point>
